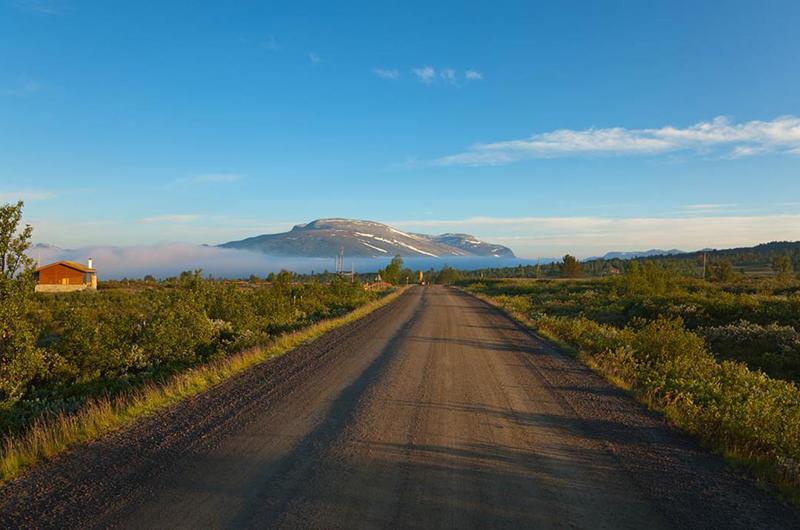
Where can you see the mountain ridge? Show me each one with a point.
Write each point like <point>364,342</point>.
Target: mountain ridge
<point>362,238</point>
<point>633,254</point>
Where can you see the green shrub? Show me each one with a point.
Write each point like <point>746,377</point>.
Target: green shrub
<point>78,345</point>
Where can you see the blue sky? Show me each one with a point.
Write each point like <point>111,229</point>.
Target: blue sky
<point>551,127</point>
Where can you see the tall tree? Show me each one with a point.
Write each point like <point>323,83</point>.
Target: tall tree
<point>14,241</point>
<point>723,272</point>
<point>447,276</point>
<point>20,359</point>
<point>782,266</point>
<point>570,267</point>
<point>393,273</point>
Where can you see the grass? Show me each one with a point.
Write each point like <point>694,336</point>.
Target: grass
<point>49,437</point>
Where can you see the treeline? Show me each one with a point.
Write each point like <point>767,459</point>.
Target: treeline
<point>763,255</point>
<point>568,267</point>
<point>397,273</point>
<point>781,258</point>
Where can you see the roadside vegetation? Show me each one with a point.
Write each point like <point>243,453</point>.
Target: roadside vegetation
<point>80,345</point>
<point>76,365</point>
<point>720,359</point>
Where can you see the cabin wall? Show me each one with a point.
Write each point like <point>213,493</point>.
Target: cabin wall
<point>60,275</point>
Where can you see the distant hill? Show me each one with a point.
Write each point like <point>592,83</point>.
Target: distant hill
<point>45,246</point>
<point>755,260</point>
<point>323,238</point>
<point>638,254</point>
<point>758,256</point>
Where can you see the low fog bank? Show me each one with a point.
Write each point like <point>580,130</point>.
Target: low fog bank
<point>170,259</point>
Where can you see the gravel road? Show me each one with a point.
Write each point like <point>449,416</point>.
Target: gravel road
<point>435,411</point>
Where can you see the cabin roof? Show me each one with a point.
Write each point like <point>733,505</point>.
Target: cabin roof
<point>71,264</point>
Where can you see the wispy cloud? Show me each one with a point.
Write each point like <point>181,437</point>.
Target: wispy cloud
<point>213,178</point>
<point>387,73</point>
<point>781,135</point>
<point>425,74</point>
<point>449,75</point>
<point>430,75</point>
<point>25,195</point>
<point>171,218</point>
<point>42,7</point>
<point>314,58</point>
<point>709,206</point>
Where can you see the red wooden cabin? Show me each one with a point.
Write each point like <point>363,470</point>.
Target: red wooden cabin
<point>65,276</point>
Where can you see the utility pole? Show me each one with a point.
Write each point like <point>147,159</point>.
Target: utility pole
<point>704,265</point>
<point>340,261</point>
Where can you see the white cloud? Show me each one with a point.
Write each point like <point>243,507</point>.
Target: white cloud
<point>29,195</point>
<point>709,206</point>
<point>449,75</point>
<point>387,73</point>
<point>586,236</point>
<point>426,74</point>
<point>313,57</point>
<point>171,218</point>
<point>781,135</point>
<point>741,151</point>
<point>429,75</point>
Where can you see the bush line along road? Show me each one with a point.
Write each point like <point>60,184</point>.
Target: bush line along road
<point>436,410</point>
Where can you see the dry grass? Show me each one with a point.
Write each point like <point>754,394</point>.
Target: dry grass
<point>47,438</point>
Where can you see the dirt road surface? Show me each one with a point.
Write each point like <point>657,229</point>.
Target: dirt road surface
<point>436,411</point>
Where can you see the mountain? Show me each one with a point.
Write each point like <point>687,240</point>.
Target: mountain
<point>471,245</point>
<point>639,254</point>
<point>46,247</point>
<point>323,238</point>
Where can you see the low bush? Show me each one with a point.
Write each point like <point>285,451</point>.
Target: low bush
<point>49,435</point>
<point>83,345</point>
<point>773,348</point>
<point>650,291</point>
